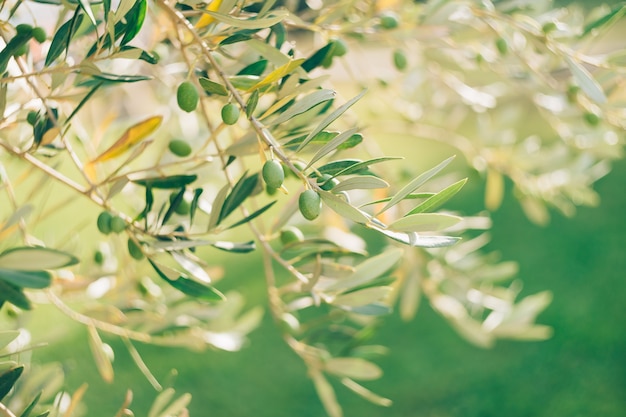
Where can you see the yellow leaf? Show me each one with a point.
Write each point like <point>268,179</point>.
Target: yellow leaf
<point>206,18</point>
<point>131,137</point>
<point>278,73</point>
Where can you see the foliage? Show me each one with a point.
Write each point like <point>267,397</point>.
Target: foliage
<point>167,123</point>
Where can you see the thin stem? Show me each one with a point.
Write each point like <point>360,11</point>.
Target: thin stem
<point>4,410</point>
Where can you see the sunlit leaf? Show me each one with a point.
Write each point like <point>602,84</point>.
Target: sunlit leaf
<point>424,222</point>
<point>438,199</point>
<point>120,78</point>
<point>7,336</point>
<point>355,368</point>
<point>100,355</point>
<point>370,269</point>
<point>330,118</point>
<point>604,22</point>
<point>61,39</point>
<point>253,215</point>
<point>275,17</point>
<point>252,102</point>
<point>130,138</point>
<point>365,393</point>
<point>134,20</point>
<point>362,297</point>
<point>241,190</point>
<point>341,207</point>
<point>207,19</point>
<point>14,295</point>
<point>365,182</point>
<point>187,286</point>
<point>586,82</point>
<point>33,403</point>
<point>278,73</point>
<point>304,104</point>
<point>167,183</point>
<point>331,145</point>
<point>414,184</point>
<point>29,258</point>
<point>235,247</point>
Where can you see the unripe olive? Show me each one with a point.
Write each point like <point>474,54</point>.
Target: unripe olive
<point>290,234</point>
<point>183,207</point>
<point>549,27</point>
<point>179,147</point>
<point>98,257</point>
<point>399,59</point>
<point>502,46</point>
<point>327,182</point>
<point>339,47</point>
<point>134,250</point>
<point>21,50</point>
<point>230,114</point>
<point>39,34</point>
<point>269,190</point>
<point>24,29</point>
<point>117,224</point>
<point>187,96</point>
<point>310,204</point>
<point>273,173</point>
<point>104,222</point>
<point>31,117</point>
<point>389,20</point>
<point>591,118</point>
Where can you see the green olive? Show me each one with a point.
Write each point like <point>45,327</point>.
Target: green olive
<point>135,250</point>
<point>502,46</point>
<point>290,234</point>
<point>104,222</point>
<point>230,114</point>
<point>179,147</point>
<point>31,117</point>
<point>39,34</point>
<point>388,20</point>
<point>591,118</point>
<point>98,257</point>
<point>273,173</point>
<point>24,29</point>
<point>183,208</point>
<point>339,47</point>
<point>399,59</point>
<point>327,182</point>
<point>310,204</point>
<point>117,224</point>
<point>187,96</point>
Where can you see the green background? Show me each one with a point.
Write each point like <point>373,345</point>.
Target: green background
<point>430,371</point>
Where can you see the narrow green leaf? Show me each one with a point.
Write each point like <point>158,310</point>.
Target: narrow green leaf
<point>171,182</point>
<point>365,182</point>
<point>233,247</point>
<point>212,87</point>
<point>355,368</point>
<point>362,297</point>
<point>253,100</point>
<point>174,203</point>
<point>368,270</point>
<point>424,222</point>
<point>438,199</point>
<point>84,4</point>
<point>8,380</point>
<point>329,119</point>
<point>317,58</point>
<point>29,409</point>
<point>416,183</point>
<point>60,41</point>
<point>304,104</point>
<point>237,37</point>
<point>253,215</point>
<point>244,82</point>
<point>332,145</point>
<point>275,17</point>
<point>605,21</point>
<point>256,68</point>
<point>26,279</point>
<point>134,20</point>
<point>242,189</point>
<point>373,309</point>
<point>343,208</point>
<point>217,206</point>
<point>586,82</point>
<point>83,101</point>
<point>14,295</point>
<point>194,204</point>
<point>29,258</point>
<point>120,78</point>
<point>161,402</point>
<point>187,286</point>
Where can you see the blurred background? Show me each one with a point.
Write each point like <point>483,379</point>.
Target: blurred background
<point>430,371</point>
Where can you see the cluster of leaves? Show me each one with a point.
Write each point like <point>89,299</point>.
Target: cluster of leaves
<point>174,171</point>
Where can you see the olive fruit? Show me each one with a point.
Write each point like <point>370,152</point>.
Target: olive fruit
<point>273,173</point>
<point>591,118</point>
<point>290,234</point>
<point>388,20</point>
<point>230,114</point>
<point>31,117</point>
<point>134,250</point>
<point>24,29</point>
<point>310,204</point>
<point>104,222</point>
<point>339,47</point>
<point>187,96</point>
<point>21,50</point>
<point>183,208</point>
<point>117,224</point>
<point>399,59</point>
<point>179,147</point>
<point>502,46</point>
<point>327,182</point>
<point>39,34</point>
<point>98,257</point>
